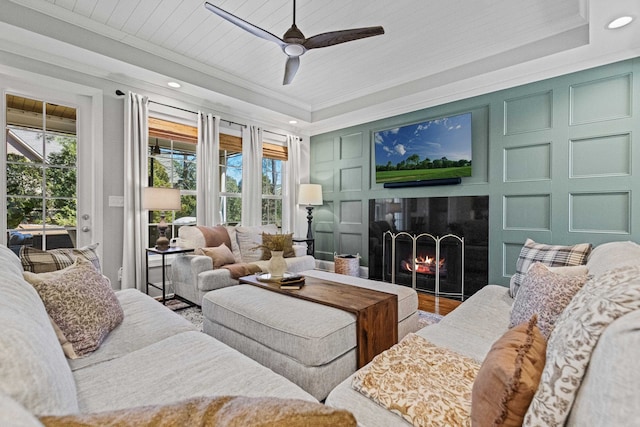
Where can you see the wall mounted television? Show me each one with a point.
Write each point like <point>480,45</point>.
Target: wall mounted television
<point>433,150</point>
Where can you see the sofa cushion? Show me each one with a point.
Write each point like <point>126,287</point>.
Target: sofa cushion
<point>14,414</point>
<point>39,261</point>
<point>508,377</point>
<point>81,304</point>
<point>220,255</point>
<point>145,322</point>
<point>221,411</point>
<point>185,365</point>
<point>550,255</point>
<point>601,301</point>
<point>608,256</point>
<point>546,294</point>
<point>270,242</point>
<point>423,383</point>
<point>33,369</point>
<point>250,238</point>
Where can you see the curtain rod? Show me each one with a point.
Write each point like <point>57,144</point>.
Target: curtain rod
<point>121,93</point>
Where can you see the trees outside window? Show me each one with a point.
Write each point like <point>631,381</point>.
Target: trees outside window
<point>172,164</point>
<point>41,188</point>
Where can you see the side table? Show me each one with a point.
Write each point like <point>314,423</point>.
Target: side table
<point>170,251</point>
<point>311,250</point>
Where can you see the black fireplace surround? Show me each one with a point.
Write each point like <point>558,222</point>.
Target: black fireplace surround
<point>463,216</point>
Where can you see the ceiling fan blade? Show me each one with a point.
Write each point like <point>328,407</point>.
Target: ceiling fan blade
<point>290,69</point>
<point>256,31</point>
<point>336,37</point>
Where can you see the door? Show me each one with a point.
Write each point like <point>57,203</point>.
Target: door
<point>47,185</point>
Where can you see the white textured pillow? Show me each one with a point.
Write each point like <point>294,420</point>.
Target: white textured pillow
<point>612,255</point>
<point>249,238</point>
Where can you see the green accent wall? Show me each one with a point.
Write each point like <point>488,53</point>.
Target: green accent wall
<point>556,157</point>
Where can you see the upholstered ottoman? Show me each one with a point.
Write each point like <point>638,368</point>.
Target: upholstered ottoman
<point>310,344</point>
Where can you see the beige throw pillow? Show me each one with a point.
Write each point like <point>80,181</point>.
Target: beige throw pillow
<point>220,255</point>
<point>81,305</point>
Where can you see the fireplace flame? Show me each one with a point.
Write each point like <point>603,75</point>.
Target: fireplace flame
<point>424,264</point>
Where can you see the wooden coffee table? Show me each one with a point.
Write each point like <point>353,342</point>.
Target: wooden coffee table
<point>376,312</point>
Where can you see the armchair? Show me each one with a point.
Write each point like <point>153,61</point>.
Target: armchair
<point>195,275</point>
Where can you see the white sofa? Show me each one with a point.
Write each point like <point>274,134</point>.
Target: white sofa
<point>609,393</point>
<point>194,275</point>
<point>153,357</point>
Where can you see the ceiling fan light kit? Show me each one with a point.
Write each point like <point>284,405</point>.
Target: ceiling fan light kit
<point>293,43</point>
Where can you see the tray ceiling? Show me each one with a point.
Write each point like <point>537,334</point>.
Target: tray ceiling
<point>428,46</point>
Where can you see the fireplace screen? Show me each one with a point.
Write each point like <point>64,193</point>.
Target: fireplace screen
<point>425,262</point>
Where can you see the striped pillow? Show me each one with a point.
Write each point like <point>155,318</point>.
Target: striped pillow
<point>39,261</point>
<point>549,255</point>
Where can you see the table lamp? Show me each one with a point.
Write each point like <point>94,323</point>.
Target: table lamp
<point>161,199</point>
<point>310,195</point>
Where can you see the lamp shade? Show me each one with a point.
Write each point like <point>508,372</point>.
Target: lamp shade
<point>310,194</point>
<point>161,199</point>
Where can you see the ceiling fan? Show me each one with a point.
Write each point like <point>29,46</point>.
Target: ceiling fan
<point>293,43</point>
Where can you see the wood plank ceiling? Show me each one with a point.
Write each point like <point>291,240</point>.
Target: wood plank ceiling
<point>423,38</point>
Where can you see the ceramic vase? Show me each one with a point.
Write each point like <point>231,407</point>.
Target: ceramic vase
<point>277,264</point>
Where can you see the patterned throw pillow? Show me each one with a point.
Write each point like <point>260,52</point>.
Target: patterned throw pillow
<point>546,294</point>
<point>81,304</point>
<point>550,255</point>
<point>220,255</point>
<point>38,261</point>
<point>601,301</point>
<point>509,377</point>
<point>288,245</point>
<point>425,384</point>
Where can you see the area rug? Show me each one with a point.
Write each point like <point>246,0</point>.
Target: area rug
<point>194,315</point>
<point>426,318</point>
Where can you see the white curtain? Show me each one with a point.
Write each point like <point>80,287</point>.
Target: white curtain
<point>252,176</point>
<point>208,170</point>
<point>291,183</point>
<point>136,143</point>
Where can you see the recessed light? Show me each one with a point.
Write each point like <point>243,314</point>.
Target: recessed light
<point>619,22</point>
<point>173,84</point>
<point>293,122</point>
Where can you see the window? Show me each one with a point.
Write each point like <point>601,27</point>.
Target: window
<point>172,164</point>
<point>41,162</point>
<point>273,157</point>
<point>272,191</point>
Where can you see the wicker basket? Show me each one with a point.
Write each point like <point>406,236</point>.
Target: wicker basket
<point>347,264</point>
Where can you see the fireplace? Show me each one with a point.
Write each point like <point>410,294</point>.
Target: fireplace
<point>425,262</point>
<point>440,244</point>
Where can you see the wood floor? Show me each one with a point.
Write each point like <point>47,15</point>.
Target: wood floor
<point>439,305</point>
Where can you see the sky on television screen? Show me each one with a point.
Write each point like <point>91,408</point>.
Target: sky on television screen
<point>448,137</point>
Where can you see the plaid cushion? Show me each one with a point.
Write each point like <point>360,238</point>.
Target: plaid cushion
<point>39,261</point>
<point>549,255</point>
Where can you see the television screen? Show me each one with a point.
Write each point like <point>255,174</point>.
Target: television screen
<point>434,149</point>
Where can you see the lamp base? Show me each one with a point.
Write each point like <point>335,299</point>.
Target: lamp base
<point>162,243</point>
<point>309,219</point>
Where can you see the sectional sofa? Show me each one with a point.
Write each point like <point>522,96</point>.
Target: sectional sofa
<point>609,392</point>
<point>153,357</point>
